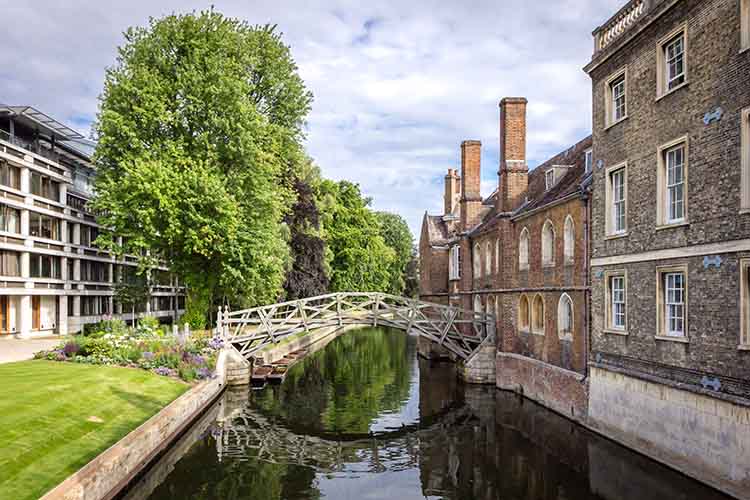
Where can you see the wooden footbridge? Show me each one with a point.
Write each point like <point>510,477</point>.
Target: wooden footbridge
<point>459,331</point>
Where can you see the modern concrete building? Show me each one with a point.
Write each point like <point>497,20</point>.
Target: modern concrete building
<point>53,280</point>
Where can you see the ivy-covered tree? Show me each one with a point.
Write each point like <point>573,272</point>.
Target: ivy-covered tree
<point>359,259</point>
<point>396,234</point>
<point>199,126</point>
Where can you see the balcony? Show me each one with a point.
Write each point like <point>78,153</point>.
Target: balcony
<point>621,23</point>
<point>43,157</point>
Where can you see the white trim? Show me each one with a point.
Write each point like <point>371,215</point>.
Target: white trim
<point>662,196</point>
<point>661,61</point>
<point>744,25</point>
<point>609,119</point>
<point>745,155</point>
<point>675,253</point>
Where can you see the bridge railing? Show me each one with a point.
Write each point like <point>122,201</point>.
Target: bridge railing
<point>458,330</point>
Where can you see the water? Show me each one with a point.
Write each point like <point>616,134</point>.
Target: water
<point>365,418</point>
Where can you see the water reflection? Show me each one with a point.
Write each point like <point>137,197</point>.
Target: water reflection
<point>365,418</point>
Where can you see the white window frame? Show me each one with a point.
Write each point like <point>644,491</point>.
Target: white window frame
<point>454,271</point>
<point>611,201</point>
<point>497,255</point>
<point>612,117</point>
<point>664,80</point>
<point>670,299</point>
<point>588,160</point>
<point>478,303</point>
<point>488,258</point>
<point>563,334</point>
<point>569,240</point>
<point>663,193</point>
<point>548,244</point>
<point>744,25</point>
<point>744,304</point>
<point>613,300</point>
<point>523,249</point>
<point>745,160</point>
<point>549,179</point>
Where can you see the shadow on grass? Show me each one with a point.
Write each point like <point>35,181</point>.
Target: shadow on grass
<point>140,401</point>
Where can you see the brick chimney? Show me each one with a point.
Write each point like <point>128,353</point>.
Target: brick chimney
<point>514,172</point>
<point>452,190</point>
<point>471,175</point>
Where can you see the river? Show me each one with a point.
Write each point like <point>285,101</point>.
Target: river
<point>366,418</point>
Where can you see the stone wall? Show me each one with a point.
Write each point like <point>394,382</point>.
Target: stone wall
<point>563,391</point>
<point>706,438</point>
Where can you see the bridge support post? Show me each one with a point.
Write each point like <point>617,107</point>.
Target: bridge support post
<point>480,367</point>
<point>431,350</point>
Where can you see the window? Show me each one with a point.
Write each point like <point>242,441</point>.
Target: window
<point>616,100</point>
<point>94,306</point>
<point>10,219</point>
<point>44,226</point>
<point>616,195</point>
<point>589,160</point>
<point>537,315</point>
<point>548,244</point>
<point>89,234</point>
<point>745,303</point>
<point>488,306</point>
<point>744,24</point>
<point>672,302</point>
<point>45,266</point>
<point>477,261</point>
<point>454,270</point>
<point>94,271</point>
<point>549,178</point>
<point>672,61</point>
<point>488,258</point>
<point>745,151</point>
<point>672,182</point>
<point>523,314</point>
<point>616,307</point>
<point>10,176</point>
<point>477,303</point>
<point>44,186</point>
<point>569,237</point>
<point>497,256</point>
<point>523,249</point>
<point>565,317</point>
<point>10,263</point>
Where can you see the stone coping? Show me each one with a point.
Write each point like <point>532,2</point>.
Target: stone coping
<point>570,373</point>
<point>112,470</point>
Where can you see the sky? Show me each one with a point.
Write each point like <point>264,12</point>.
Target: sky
<point>397,85</point>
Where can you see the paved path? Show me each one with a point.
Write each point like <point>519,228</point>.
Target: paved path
<point>20,349</point>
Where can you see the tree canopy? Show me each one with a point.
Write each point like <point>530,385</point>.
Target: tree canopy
<point>199,126</point>
<point>396,234</point>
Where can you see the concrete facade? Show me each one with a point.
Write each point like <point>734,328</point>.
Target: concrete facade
<point>53,278</point>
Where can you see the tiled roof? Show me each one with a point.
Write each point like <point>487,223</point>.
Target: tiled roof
<point>437,229</point>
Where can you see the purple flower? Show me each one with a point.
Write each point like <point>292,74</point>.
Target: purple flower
<point>203,373</point>
<point>60,356</point>
<point>198,360</point>
<point>71,349</point>
<point>147,355</point>
<point>216,343</point>
<point>164,371</point>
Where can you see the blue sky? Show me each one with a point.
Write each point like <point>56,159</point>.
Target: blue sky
<point>398,85</point>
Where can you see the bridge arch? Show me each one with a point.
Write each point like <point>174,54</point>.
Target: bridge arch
<point>459,331</point>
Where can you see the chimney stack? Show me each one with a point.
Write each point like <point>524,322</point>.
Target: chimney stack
<point>452,190</point>
<point>471,175</point>
<point>514,172</point>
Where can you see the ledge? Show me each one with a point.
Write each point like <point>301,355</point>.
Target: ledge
<point>672,91</point>
<point>682,340</point>
<point>615,123</point>
<point>672,226</point>
<point>616,236</point>
<point>612,331</point>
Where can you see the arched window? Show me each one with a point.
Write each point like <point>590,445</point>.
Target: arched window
<point>548,244</point>
<point>497,308</point>
<point>523,314</point>
<point>477,261</point>
<point>537,315</point>
<point>477,303</point>
<point>523,249</point>
<point>569,236</point>
<point>488,258</point>
<point>488,306</point>
<point>497,256</point>
<point>565,317</point>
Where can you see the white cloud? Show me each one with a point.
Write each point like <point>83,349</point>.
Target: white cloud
<point>398,85</point>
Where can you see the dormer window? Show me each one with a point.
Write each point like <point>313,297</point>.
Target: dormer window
<point>549,178</point>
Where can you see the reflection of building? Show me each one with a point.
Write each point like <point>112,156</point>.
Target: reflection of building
<point>521,254</point>
<point>670,226</point>
<point>54,280</point>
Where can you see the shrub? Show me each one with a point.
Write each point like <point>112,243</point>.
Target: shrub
<point>71,348</point>
<point>149,323</point>
<point>92,346</point>
<point>105,326</point>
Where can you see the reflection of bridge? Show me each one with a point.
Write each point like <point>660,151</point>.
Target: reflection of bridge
<point>247,434</point>
<point>459,331</point>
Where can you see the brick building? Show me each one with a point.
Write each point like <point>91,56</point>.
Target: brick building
<point>522,254</point>
<point>670,259</point>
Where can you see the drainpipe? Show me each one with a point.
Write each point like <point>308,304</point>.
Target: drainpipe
<point>587,273</point>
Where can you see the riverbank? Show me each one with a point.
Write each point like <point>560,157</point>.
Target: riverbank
<point>56,417</point>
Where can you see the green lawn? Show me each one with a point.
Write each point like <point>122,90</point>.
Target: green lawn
<point>50,412</point>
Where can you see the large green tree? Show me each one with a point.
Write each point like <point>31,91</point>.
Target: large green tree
<point>199,128</point>
<point>396,234</point>
<point>359,258</point>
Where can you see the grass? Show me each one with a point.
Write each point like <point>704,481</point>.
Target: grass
<point>56,417</point>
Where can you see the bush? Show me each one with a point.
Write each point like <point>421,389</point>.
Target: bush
<point>149,323</point>
<point>92,346</point>
<point>105,326</point>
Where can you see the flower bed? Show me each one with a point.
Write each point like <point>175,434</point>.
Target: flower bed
<point>148,346</point>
